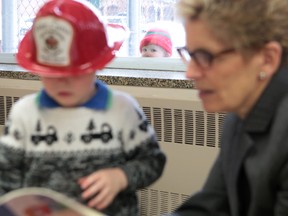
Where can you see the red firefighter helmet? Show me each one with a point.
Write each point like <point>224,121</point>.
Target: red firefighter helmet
<point>67,38</point>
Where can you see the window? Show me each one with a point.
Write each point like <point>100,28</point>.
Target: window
<point>137,15</point>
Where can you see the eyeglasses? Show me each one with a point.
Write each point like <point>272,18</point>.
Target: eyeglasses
<point>202,57</point>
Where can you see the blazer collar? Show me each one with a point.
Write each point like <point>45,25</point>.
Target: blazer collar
<point>261,115</point>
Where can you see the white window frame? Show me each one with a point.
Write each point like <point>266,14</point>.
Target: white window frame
<point>132,63</point>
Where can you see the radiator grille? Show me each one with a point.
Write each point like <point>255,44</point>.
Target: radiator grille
<point>186,126</point>
<point>178,132</point>
<point>189,127</point>
<point>156,202</point>
<point>6,102</point>
<point>3,110</point>
<point>167,120</point>
<point>157,121</point>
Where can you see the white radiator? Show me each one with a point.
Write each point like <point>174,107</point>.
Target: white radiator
<point>187,134</point>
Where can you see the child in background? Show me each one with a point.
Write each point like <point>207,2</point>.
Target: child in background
<point>156,43</point>
<point>77,136</point>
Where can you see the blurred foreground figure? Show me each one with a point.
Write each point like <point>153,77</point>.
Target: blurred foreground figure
<point>236,52</point>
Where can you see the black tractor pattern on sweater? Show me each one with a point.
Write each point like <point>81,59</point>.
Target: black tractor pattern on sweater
<point>105,134</point>
<point>49,137</point>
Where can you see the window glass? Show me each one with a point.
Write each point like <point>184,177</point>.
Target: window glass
<point>137,15</point>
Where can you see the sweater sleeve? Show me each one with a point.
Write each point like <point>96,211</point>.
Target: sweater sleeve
<point>12,153</point>
<point>144,159</point>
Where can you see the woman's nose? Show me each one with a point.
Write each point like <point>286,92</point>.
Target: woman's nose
<point>193,71</point>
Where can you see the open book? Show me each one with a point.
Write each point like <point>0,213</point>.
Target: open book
<point>42,202</point>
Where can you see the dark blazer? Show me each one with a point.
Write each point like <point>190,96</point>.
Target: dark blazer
<point>250,175</point>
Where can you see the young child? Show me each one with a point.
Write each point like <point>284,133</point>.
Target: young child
<point>156,43</point>
<point>77,136</point>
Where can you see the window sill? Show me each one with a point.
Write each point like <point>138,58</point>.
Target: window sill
<point>114,76</point>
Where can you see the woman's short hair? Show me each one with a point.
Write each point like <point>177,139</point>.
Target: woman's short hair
<point>244,23</point>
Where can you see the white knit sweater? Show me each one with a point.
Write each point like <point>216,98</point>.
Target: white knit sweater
<point>46,145</point>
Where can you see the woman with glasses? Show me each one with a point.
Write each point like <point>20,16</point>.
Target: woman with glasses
<point>236,53</point>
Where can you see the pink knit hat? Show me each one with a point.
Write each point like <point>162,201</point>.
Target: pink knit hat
<point>158,37</point>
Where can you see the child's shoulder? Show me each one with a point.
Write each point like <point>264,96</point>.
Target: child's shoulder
<point>123,97</point>
<point>26,102</point>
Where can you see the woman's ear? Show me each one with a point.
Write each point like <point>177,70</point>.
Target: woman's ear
<point>272,54</point>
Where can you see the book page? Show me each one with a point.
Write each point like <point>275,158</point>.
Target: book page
<point>42,202</point>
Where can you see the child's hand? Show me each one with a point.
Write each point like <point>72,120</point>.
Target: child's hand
<point>102,186</point>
